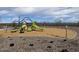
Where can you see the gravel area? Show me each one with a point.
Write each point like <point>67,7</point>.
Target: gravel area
<point>38,44</point>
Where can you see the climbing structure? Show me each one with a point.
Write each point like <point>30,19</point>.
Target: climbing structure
<point>22,26</point>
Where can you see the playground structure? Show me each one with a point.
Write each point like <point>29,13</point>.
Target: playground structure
<point>22,26</point>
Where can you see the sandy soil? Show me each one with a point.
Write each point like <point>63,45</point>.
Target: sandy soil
<point>33,42</point>
<point>48,32</point>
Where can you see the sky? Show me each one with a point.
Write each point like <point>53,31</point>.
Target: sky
<point>40,14</point>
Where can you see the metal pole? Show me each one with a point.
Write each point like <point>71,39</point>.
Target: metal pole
<point>66,31</point>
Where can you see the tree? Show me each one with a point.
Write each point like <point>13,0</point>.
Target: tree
<point>58,21</point>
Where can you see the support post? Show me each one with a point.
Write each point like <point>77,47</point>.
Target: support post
<point>66,32</point>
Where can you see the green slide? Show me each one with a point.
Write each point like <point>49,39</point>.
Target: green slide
<point>34,27</point>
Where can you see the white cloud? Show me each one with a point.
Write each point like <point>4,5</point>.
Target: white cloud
<point>61,16</point>
<point>10,14</point>
<point>2,12</point>
<point>38,11</point>
<point>25,10</point>
<point>63,12</point>
<point>72,20</point>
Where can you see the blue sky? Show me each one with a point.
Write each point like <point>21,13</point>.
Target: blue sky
<point>40,14</point>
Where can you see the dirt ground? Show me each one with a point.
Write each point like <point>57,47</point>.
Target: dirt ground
<point>48,32</point>
<point>50,40</point>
